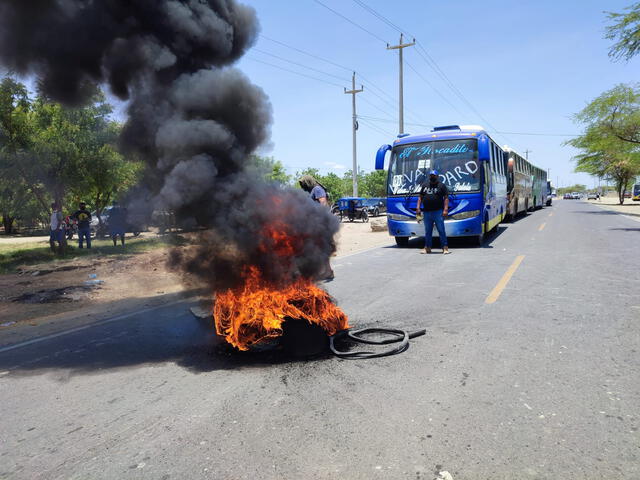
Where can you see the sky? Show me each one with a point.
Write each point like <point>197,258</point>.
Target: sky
<point>520,68</point>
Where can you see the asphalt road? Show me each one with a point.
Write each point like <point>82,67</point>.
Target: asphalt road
<point>544,383</point>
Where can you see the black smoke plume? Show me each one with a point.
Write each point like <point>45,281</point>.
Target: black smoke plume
<point>193,118</point>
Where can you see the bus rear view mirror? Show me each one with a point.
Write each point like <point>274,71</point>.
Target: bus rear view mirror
<point>483,148</point>
<point>382,151</point>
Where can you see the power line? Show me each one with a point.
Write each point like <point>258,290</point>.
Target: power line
<point>376,128</point>
<point>375,106</point>
<point>389,120</point>
<point>390,100</point>
<point>294,72</point>
<point>317,57</point>
<point>541,134</point>
<point>351,21</point>
<point>434,88</point>
<point>300,64</point>
<point>380,17</point>
<point>429,60</point>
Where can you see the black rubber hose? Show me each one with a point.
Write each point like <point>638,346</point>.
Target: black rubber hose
<point>399,337</point>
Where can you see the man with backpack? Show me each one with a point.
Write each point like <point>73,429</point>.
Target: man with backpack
<point>318,194</point>
<point>315,189</point>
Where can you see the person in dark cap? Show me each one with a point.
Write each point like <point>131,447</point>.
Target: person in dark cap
<point>433,203</point>
<point>318,194</point>
<point>83,216</point>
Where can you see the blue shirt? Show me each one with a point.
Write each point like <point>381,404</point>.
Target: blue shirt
<point>317,193</point>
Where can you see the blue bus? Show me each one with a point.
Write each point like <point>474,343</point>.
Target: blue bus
<point>470,164</point>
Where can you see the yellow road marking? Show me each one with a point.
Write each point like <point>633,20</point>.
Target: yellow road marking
<point>551,214</point>
<point>541,227</point>
<point>495,293</point>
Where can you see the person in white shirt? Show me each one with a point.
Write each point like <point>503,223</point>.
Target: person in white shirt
<point>56,229</point>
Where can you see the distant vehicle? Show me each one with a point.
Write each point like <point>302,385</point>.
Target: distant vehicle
<point>352,208</point>
<point>575,195</point>
<point>635,192</point>
<point>627,194</point>
<point>549,194</point>
<point>567,196</point>
<point>375,206</point>
<point>592,196</point>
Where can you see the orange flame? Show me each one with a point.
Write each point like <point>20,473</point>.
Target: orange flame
<point>254,312</point>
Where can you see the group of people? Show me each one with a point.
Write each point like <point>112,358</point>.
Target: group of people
<point>57,234</point>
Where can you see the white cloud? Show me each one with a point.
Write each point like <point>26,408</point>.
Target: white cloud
<point>335,166</point>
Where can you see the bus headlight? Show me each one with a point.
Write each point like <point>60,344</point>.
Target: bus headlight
<point>401,218</point>
<point>463,215</point>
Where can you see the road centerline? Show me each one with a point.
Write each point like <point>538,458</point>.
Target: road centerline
<point>502,283</point>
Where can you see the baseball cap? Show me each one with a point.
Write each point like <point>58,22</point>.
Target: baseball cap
<point>433,172</point>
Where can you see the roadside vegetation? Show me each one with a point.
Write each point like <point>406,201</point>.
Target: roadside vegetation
<point>610,144</point>
<point>17,255</point>
<point>49,153</point>
<point>370,184</point>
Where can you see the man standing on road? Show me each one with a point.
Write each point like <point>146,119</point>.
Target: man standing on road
<point>318,194</point>
<point>56,232</point>
<point>434,200</point>
<point>83,216</point>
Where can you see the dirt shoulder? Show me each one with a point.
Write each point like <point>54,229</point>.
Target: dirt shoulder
<point>40,299</point>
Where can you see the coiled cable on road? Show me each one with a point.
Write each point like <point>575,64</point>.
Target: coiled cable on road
<point>398,337</point>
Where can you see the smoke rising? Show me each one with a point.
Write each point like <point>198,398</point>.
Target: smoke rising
<point>192,117</point>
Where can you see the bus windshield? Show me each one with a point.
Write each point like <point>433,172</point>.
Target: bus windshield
<point>636,189</point>
<point>455,160</point>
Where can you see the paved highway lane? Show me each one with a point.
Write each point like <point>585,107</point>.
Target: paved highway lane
<point>533,375</point>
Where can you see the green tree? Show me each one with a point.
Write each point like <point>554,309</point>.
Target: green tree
<point>314,172</point>
<point>335,185</point>
<point>66,141</point>
<point>605,155</point>
<point>375,184</point>
<point>625,32</point>
<point>573,188</point>
<point>616,111</point>
<point>347,177</point>
<point>19,188</point>
<point>271,169</point>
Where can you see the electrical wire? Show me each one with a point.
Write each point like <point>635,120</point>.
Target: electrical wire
<point>422,52</point>
<point>391,101</point>
<point>299,64</point>
<point>375,127</point>
<point>293,71</point>
<point>317,57</point>
<point>434,88</point>
<point>352,22</point>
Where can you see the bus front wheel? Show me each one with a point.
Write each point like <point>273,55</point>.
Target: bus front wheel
<point>478,240</point>
<point>402,241</point>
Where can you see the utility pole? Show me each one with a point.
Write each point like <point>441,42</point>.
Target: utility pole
<point>526,154</point>
<point>353,93</point>
<point>400,47</point>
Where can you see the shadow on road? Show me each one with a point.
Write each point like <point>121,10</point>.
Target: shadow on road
<point>596,212</point>
<point>143,341</point>
<point>626,229</point>
<point>456,242</point>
